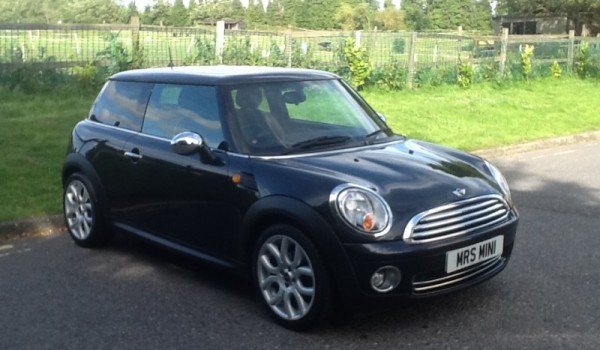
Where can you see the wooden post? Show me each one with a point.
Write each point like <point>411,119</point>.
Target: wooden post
<point>220,41</point>
<point>135,24</point>
<point>358,37</point>
<point>412,53</point>
<point>571,54</point>
<point>503,51</point>
<point>288,46</point>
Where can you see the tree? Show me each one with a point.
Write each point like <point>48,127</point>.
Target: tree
<point>31,11</point>
<point>275,13</point>
<point>179,15</point>
<point>92,11</point>
<point>255,13</point>
<point>158,14</point>
<point>391,18</point>
<point>128,12</point>
<point>416,14</point>
<point>449,14</point>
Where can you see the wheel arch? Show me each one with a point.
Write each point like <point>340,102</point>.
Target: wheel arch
<point>76,163</point>
<point>281,209</point>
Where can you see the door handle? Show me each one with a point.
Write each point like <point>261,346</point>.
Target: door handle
<point>134,154</point>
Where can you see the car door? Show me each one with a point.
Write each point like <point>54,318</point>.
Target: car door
<point>180,197</point>
<point>115,118</point>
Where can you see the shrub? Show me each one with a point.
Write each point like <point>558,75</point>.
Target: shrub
<point>391,77</point>
<point>556,70</point>
<point>116,54</point>
<point>398,45</point>
<point>240,52</point>
<point>586,65</point>
<point>466,74</point>
<point>358,62</point>
<point>204,52</point>
<point>526,61</point>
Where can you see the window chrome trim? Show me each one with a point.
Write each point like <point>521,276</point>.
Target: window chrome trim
<point>454,207</point>
<point>95,122</point>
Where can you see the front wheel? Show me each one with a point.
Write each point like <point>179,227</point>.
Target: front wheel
<point>291,278</point>
<point>83,214</point>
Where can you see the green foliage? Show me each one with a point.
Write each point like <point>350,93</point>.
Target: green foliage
<point>31,74</point>
<point>116,54</point>
<point>204,52</point>
<point>586,66</point>
<point>391,77</point>
<point>526,61</point>
<point>89,77</point>
<point>556,70</point>
<point>488,72</point>
<point>358,62</point>
<point>466,75</point>
<point>239,51</point>
<point>436,76</point>
<point>179,15</point>
<point>399,45</point>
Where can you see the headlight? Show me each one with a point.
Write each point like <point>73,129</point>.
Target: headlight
<point>361,208</point>
<point>500,180</point>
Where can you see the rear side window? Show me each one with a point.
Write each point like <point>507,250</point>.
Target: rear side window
<point>173,109</point>
<point>122,104</point>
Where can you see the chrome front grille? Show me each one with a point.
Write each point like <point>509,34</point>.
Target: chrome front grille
<point>432,283</point>
<point>456,219</point>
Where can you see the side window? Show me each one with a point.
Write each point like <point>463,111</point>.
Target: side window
<point>177,108</point>
<point>122,104</point>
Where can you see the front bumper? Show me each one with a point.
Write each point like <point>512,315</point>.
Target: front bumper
<point>423,265</point>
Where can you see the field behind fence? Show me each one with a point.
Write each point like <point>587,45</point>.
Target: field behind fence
<point>68,46</point>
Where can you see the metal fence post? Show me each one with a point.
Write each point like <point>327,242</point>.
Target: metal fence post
<point>503,51</point>
<point>220,41</point>
<point>412,53</point>
<point>571,53</point>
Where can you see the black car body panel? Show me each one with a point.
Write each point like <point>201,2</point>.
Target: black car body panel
<point>217,210</point>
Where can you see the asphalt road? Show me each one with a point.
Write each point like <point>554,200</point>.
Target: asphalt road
<point>54,295</point>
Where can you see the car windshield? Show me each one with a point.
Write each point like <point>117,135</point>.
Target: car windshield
<point>280,118</point>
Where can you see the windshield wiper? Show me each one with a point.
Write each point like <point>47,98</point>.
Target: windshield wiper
<point>317,142</point>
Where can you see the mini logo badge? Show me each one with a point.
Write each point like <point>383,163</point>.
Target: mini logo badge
<point>460,192</point>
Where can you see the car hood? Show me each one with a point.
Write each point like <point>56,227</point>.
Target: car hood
<point>412,176</point>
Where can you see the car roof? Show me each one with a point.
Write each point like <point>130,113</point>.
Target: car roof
<point>221,75</point>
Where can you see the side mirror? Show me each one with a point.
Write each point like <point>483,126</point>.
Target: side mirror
<point>187,143</point>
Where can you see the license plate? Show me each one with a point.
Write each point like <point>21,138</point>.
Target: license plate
<point>467,256</point>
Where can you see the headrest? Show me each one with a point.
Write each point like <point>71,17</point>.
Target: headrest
<point>248,98</point>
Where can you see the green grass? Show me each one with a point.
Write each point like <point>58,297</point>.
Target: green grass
<point>487,115</point>
<point>34,133</point>
<point>34,129</point>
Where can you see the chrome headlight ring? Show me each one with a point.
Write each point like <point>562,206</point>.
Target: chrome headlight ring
<point>362,209</point>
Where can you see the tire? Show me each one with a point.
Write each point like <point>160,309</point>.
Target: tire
<point>290,277</point>
<point>83,213</point>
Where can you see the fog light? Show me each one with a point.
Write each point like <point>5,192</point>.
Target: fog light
<point>385,279</point>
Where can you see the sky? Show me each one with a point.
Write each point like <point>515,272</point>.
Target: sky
<point>141,4</point>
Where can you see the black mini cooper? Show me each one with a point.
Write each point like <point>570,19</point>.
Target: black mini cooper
<point>290,176</point>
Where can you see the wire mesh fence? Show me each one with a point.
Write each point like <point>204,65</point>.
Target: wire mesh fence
<point>68,46</point>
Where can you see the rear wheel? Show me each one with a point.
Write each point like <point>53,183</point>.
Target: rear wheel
<point>82,212</point>
<point>290,277</point>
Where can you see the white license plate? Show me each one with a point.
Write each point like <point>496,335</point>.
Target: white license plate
<point>467,256</point>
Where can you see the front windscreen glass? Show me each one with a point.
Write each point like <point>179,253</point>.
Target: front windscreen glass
<point>280,118</point>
